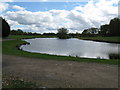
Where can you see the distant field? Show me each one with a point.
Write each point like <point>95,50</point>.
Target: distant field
<point>105,39</point>
<point>9,47</point>
<point>28,36</point>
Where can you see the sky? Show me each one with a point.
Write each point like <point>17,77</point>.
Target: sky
<point>46,16</point>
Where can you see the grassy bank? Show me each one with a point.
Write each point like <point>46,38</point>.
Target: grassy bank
<point>28,36</point>
<point>9,47</point>
<point>102,39</point>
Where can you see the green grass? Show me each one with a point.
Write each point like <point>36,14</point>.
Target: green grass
<point>28,36</point>
<point>100,38</point>
<point>9,47</point>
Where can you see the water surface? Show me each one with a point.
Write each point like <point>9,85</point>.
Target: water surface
<point>71,47</point>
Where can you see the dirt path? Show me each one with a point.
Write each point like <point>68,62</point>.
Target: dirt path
<point>55,74</point>
<point>6,39</point>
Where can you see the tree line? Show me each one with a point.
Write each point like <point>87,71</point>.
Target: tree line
<point>20,32</point>
<point>111,29</point>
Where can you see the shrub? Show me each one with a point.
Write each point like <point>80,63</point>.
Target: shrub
<point>114,56</point>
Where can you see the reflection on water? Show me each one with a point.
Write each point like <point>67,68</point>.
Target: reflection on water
<point>71,47</point>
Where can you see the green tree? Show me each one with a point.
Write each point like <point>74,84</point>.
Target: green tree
<point>85,32</point>
<point>13,32</point>
<point>90,32</point>
<point>20,32</point>
<point>62,33</point>
<point>17,32</point>
<point>104,30</point>
<point>94,31</point>
<point>5,28</point>
<point>115,27</point>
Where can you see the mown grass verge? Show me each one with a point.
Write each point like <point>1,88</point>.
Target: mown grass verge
<point>9,47</point>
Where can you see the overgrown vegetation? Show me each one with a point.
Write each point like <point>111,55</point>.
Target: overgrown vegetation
<point>114,56</point>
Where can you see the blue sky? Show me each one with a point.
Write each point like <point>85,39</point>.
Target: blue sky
<point>42,17</point>
<point>43,6</point>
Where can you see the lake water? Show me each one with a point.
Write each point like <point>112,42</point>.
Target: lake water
<point>71,47</point>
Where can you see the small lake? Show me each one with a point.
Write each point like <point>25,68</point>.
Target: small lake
<point>71,47</point>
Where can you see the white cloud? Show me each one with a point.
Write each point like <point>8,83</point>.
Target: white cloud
<point>18,7</point>
<point>44,0</point>
<point>99,12</point>
<point>3,7</point>
<point>12,23</point>
<point>93,14</point>
<point>6,0</point>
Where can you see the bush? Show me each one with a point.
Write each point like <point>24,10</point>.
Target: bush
<point>114,56</point>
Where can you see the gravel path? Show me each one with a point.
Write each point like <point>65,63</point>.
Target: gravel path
<point>55,74</point>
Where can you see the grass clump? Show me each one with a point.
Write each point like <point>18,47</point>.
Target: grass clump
<point>114,56</point>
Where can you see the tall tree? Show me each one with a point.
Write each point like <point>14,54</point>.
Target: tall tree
<point>5,28</point>
<point>104,30</point>
<point>115,27</point>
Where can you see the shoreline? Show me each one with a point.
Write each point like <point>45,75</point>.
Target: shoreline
<point>82,39</point>
<point>28,43</point>
<point>115,40</point>
<point>101,41</point>
<point>13,49</point>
